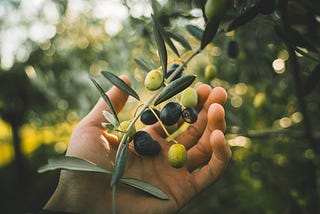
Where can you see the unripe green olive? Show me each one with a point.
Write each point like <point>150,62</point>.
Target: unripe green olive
<point>171,129</point>
<point>210,72</point>
<point>189,97</point>
<point>214,9</point>
<point>177,155</point>
<point>153,80</point>
<point>123,127</point>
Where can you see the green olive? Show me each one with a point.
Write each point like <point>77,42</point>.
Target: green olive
<point>177,155</point>
<point>214,9</point>
<point>189,97</point>
<point>123,127</point>
<point>210,72</point>
<point>153,80</point>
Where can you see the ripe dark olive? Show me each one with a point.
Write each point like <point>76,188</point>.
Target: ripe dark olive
<point>267,6</point>
<point>148,118</point>
<point>172,69</point>
<point>170,113</point>
<point>233,49</point>
<point>190,115</point>
<point>145,145</point>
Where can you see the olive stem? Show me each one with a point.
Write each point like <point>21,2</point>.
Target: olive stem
<point>114,199</point>
<point>145,105</point>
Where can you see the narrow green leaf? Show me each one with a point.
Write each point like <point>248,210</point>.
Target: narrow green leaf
<point>145,187</point>
<point>143,64</point>
<point>243,18</point>
<point>209,32</point>
<point>108,126</point>
<point>195,31</point>
<point>71,163</point>
<point>120,163</point>
<point>161,49</point>
<point>106,99</point>
<point>165,36</point>
<point>312,81</point>
<point>174,88</point>
<point>294,38</point>
<point>305,54</point>
<point>110,118</point>
<point>179,38</point>
<point>283,34</point>
<point>115,80</point>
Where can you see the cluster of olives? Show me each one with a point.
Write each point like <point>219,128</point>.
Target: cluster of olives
<point>169,116</point>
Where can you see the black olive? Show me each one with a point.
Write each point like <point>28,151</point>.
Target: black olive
<point>148,118</point>
<point>145,145</point>
<point>190,115</point>
<point>170,113</point>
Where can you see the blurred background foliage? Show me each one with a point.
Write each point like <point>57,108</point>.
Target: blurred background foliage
<point>48,49</point>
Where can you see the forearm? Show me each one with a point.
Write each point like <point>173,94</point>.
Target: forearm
<point>80,192</point>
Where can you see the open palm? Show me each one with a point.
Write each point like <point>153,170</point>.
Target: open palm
<point>84,192</point>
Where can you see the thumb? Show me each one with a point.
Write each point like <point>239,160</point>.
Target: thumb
<point>221,154</point>
<point>118,99</point>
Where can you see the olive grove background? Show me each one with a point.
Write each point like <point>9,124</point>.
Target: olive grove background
<point>49,48</point>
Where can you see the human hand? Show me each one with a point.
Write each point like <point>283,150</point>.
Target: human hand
<point>84,192</point>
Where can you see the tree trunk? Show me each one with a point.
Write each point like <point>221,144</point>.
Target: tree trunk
<point>20,168</point>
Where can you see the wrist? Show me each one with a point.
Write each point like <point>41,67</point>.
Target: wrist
<point>80,192</point>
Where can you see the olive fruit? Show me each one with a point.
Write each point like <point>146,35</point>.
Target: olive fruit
<point>171,129</point>
<point>172,68</point>
<point>170,113</point>
<point>190,115</point>
<point>189,97</point>
<point>145,145</point>
<point>177,155</point>
<point>148,118</point>
<point>153,80</point>
<point>214,9</point>
<point>210,72</point>
<point>233,49</point>
<point>267,6</point>
<point>123,127</point>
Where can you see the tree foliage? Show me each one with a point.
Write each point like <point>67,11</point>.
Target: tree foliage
<point>272,83</point>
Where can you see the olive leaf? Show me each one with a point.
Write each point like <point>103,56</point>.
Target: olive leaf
<point>312,80</point>
<point>243,18</point>
<point>179,38</point>
<point>165,36</point>
<point>71,163</point>
<point>293,43</point>
<point>106,99</point>
<point>161,48</point>
<point>195,31</point>
<point>306,54</point>
<point>294,38</point>
<point>108,126</point>
<point>209,32</point>
<point>119,83</point>
<point>110,117</point>
<point>120,162</point>
<point>145,187</point>
<point>143,64</point>
<point>174,88</point>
